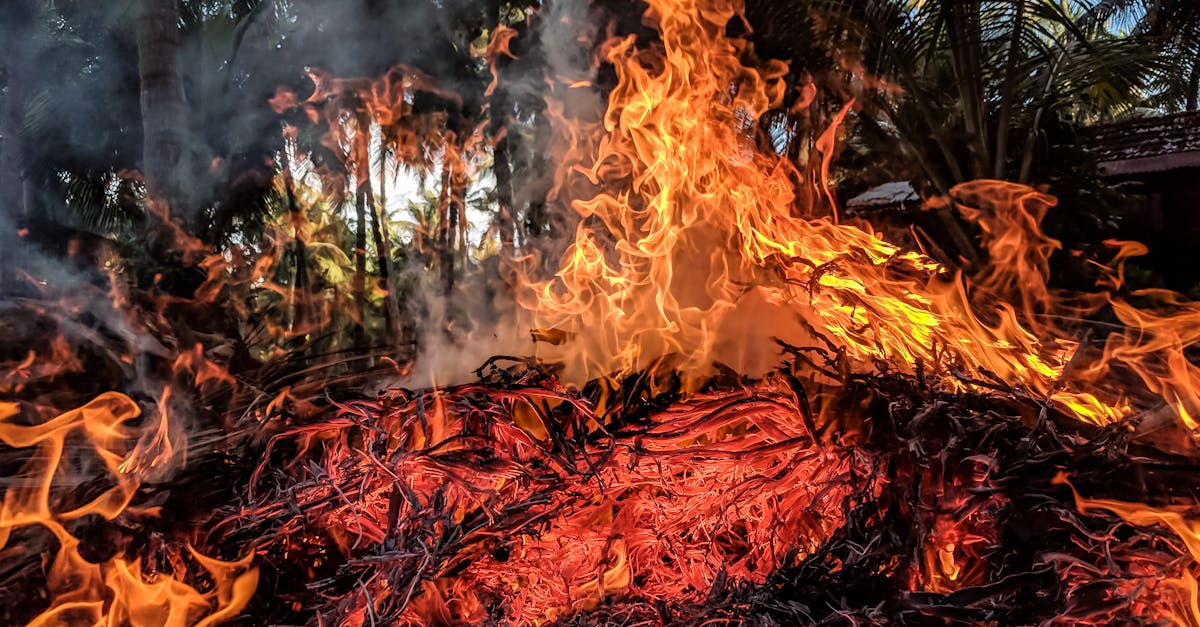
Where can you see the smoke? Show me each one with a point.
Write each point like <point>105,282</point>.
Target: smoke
<point>568,31</point>
<point>458,332</point>
<point>67,336</point>
<point>72,85</point>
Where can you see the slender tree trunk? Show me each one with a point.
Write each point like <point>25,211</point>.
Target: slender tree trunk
<point>383,258</point>
<point>396,329</point>
<point>1007,94</point>
<point>497,128</point>
<point>1036,127</point>
<point>18,16</point>
<point>962,21</point>
<point>164,105</point>
<point>1030,146</point>
<point>1193,87</point>
<point>456,222</point>
<point>961,241</point>
<point>503,171</point>
<point>359,285</point>
<point>447,226</point>
<point>298,294</point>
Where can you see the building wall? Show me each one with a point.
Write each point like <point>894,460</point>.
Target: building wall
<point>1171,216</point>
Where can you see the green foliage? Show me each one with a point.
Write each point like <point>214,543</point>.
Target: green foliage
<point>945,91</point>
<point>970,84</point>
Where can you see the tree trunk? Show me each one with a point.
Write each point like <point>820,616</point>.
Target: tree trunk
<point>1035,128</point>
<point>1030,145</point>
<point>503,171</point>
<point>1193,87</point>
<point>383,257</point>
<point>497,128</point>
<point>446,227</point>
<point>386,257</point>
<point>359,286</point>
<point>298,294</point>
<point>164,105</point>
<point>455,241</point>
<point>18,16</point>
<point>1008,94</point>
<point>962,22</point>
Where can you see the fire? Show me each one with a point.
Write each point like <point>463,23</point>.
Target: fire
<point>90,445</point>
<point>60,359</point>
<point>1181,604</point>
<point>690,246</point>
<point>728,486</point>
<point>691,250</point>
<point>529,498</point>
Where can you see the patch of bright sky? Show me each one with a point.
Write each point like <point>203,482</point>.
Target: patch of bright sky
<point>402,188</point>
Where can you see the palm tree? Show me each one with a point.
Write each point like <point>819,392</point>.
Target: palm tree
<point>1173,28</point>
<point>72,119</point>
<point>979,78</point>
<point>947,91</point>
<point>163,103</point>
<point>79,110</point>
<point>16,16</point>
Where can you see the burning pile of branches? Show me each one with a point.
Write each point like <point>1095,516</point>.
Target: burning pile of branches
<point>741,411</point>
<point>880,500</point>
<point>515,500</point>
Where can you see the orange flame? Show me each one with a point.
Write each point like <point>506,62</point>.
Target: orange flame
<point>118,591</point>
<point>1182,606</point>
<point>690,248</point>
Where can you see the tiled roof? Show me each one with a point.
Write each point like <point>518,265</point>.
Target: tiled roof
<point>1149,144</point>
<point>894,194</point>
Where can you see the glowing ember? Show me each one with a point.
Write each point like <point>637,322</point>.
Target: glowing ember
<point>507,498</point>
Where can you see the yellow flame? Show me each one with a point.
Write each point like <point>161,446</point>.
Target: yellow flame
<point>691,246</point>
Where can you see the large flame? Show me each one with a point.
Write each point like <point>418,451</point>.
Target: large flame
<point>692,247</point>
<point>691,251</point>
<point>94,445</point>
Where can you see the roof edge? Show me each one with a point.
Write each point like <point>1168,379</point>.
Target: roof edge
<point>1154,163</point>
